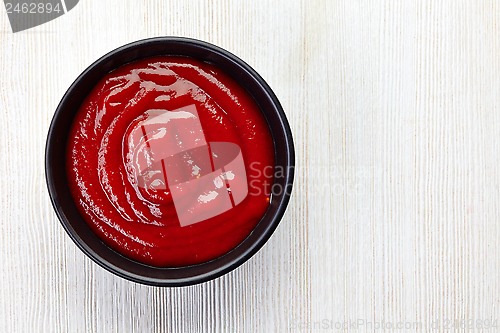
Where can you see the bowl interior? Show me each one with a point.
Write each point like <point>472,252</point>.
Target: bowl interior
<point>67,211</point>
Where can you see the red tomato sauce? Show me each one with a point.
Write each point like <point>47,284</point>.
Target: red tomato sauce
<point>145,168</point>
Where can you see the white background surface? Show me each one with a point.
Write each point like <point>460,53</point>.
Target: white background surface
<point>395,216</point>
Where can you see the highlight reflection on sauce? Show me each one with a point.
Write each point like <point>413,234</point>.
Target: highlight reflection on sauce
<point>157,161</point>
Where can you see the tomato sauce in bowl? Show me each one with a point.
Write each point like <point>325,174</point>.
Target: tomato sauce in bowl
<point>144,113</point>
<point>169,161</point>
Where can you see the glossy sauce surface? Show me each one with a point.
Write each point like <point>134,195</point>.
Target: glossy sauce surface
<point>134,137</point>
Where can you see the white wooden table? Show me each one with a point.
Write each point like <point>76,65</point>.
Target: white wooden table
<point>395,216</point>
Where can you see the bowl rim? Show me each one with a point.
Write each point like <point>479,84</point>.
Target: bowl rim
<point>225,267</point>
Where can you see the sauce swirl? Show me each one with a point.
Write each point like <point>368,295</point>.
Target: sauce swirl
<point>141,143</point>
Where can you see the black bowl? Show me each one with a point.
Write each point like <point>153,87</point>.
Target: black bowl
<point>77,228</point>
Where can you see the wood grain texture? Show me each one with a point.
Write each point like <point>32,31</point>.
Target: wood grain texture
<point>395,216</point>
